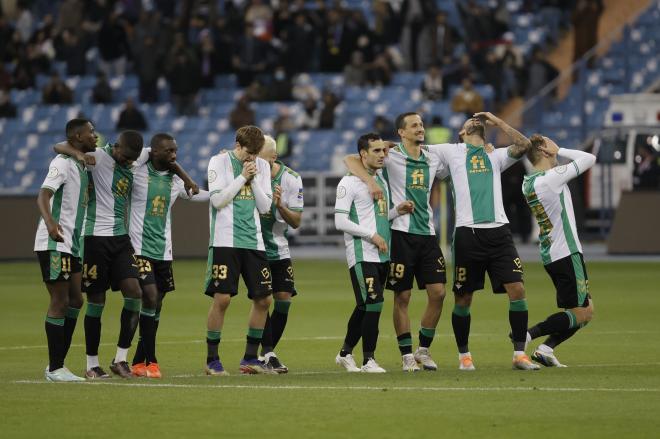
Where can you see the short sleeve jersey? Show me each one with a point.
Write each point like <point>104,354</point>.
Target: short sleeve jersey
<point>154,194</point>
<point>107,212</point>
<point>476,182</point>
<point>412,179</point>
<point>236,225</point>
<point>68,181</point>
<point>353,198</point>
<point>273,226</point>
<point>549,198</point>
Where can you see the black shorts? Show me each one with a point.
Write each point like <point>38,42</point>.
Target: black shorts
<point>226,264</point>
<point>368,279</point>
<point>154,271</point>
<point>282,272</point>
<point>107,261</point>
<point>417,256</point>
<point>569,275</point>
<point>477,251</point>
<point>57,266</point>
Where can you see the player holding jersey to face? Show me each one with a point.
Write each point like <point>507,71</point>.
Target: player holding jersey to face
<point>286,211</point>
<point>410,171</point>
<point>240,189</point>
<point>366,226</point>
<point>547,194</point>
<point>482,239</point>
<point>155,189</point>
<point>62,202</point>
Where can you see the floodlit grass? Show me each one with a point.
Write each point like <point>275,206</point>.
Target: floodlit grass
<point>611,388</point>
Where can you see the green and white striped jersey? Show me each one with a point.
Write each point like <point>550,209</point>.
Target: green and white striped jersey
<point>107,212</point>
<point>237,224</point>
<point>412,179</point>
<point>273,227</point>
<point>549,198</point>
<point>359,216</point>
<point>154,194</point>
<point>68,181</point>
<point>476,182</point>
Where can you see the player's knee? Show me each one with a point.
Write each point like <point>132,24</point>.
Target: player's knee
<point>263,302</point>
<point>76,302</point>
<point>516,290</point>
<point>464,299</point>
<point>402,299</point>
<point>221,301</point>
<point>436,293</point>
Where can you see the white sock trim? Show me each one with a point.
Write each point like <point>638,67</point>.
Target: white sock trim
<point>121,354</point>
<point>92,361</point>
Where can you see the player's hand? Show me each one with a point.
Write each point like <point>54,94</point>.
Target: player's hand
<point>191,188</point>
<point>488,147</point>
<point>277,195</point>
<point>249,170</point>
<point>55,231</point>
<point>488,118</point>
<point>405,207</point>
<point>88,160</point>
<point>549,146</point>
<point>375,190</point>
<point>379,242</point>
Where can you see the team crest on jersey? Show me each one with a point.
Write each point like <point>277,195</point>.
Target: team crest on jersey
<point>560,169</point>
<point>53,172</point>
<point>212,176</point>
<point>341,192</point>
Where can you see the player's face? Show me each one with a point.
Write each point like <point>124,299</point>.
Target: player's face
<point>244,155</point>
<point>375,155</point>
<point>165,152</point>
<point>474,126</point>
<point>87,137</point>
<point>124,155</point>
<point>413,130</point>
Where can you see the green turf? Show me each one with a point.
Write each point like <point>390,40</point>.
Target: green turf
<point>611,389</point>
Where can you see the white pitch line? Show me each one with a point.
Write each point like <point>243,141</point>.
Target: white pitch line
<point>295,339</point>
<point>361,388</point>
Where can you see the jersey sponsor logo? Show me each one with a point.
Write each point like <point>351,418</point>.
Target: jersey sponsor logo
<point>157,206</point>
<point>478,165</point>
<point>417,179</point>
<point>212,176</point>
<point>382,207</point>
<point>53,172</point>
<point>245,193</point>
<point>341,192</point>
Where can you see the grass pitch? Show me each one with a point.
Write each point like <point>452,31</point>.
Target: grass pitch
<point>610,389</point>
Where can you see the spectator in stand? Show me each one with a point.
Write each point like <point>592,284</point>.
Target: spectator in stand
<point>437,133</point>
<point>432,87</point>
<point>207,59</point>
<point>309,118</point>
<point>327,114</point>
<point>242,114</point>
<point>25,20</point>
<point>146,65</point>
<point>586,16</point>
<point>56,91</point>
<point>300,39</point>
<point>646,174</point>
<point>416,38</point>
<point>539,73</point>
<point>183,77</point>
<point>7,108</point>
<point>70,15</point>
<point>456,72</point>
<point>5,78</point>
<point>131,118</point>
<point>444,37</point>
<point>387,25</point>
<point>384,128</point>
<point>492,75</point>
<point>260,16</point>
<point>112,45</point>
<point>355,73</point>
<point>337,43</point>
<point>24,73</point>
<point>304,89</point>
<point>280,88</point>
<point>249,58</point>
<point>467,100</point>
<point>379,72</point>
<point>73,51</point>
<point>224,45</point>
<point>102,92</point>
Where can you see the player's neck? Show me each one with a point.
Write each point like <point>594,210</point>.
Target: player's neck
<point>473,140</point>
<point>274,169</point>
<point>369,169</point>
<point>159,166</point>
<point>413,149</point>
<point>542,166</point>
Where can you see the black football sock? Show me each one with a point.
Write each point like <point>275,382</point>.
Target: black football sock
<point>92,325</point>
<point>55,337</point>
<point>212,343</point>
<point>278,319</point>
<point>267,339</point>
<point>353,331</point>
<point>557,322</point>
<point>518,317</point>
<point>148,334</point>
<point>405,343</point>
<point>254,336</point>
<point>460,322</point>
<point>130,317</point>
<point>369,334</point>
<point>70,321</point>
<point>426,337</point>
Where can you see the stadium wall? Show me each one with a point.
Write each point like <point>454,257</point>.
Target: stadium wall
<point>190,228</point>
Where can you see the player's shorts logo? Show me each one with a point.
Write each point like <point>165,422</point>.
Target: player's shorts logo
<point>518,263</point>
<point>289,271</point>
<point>265,273</point>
